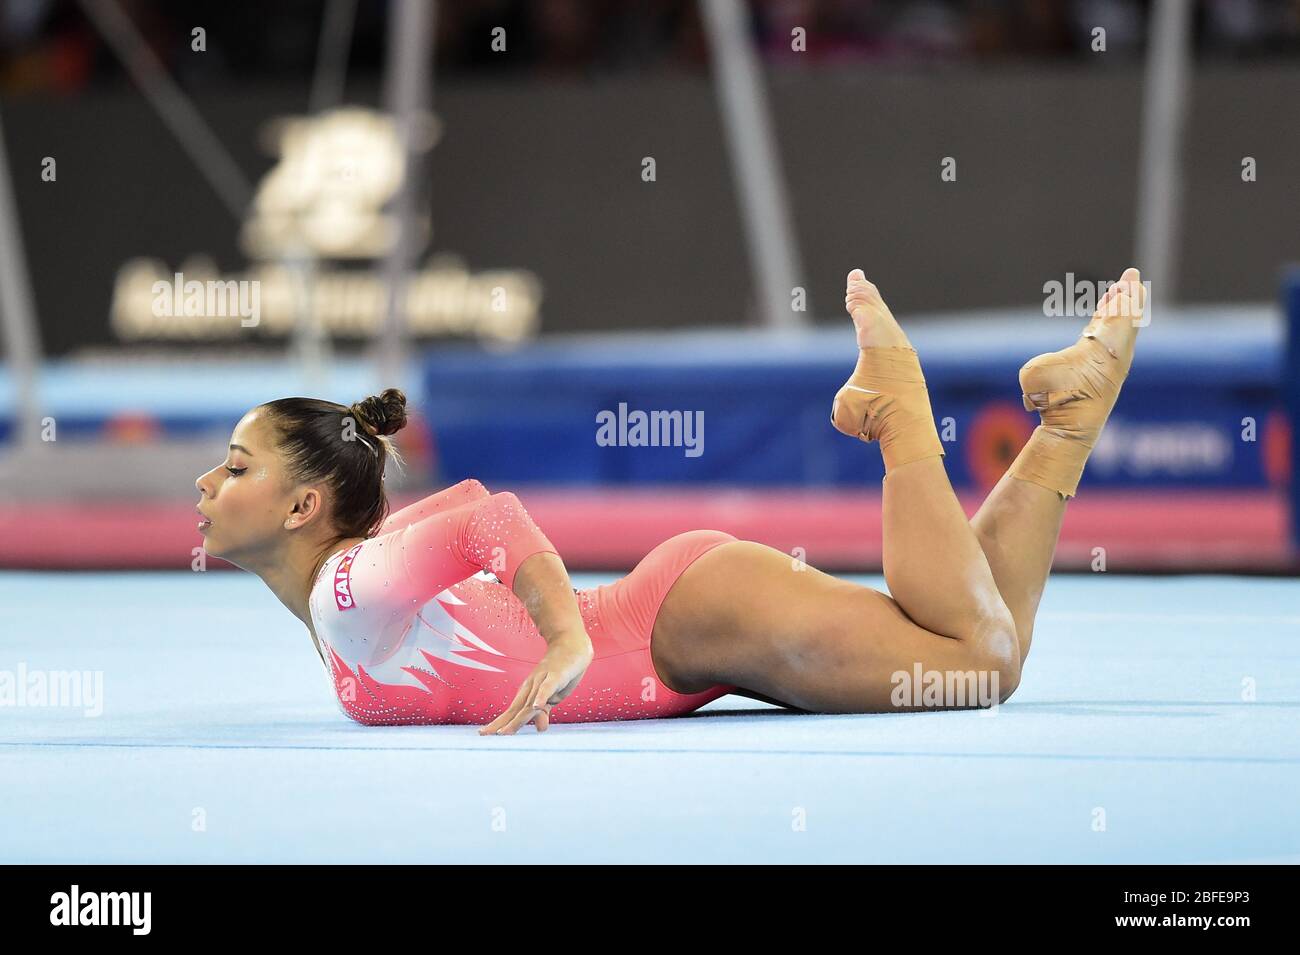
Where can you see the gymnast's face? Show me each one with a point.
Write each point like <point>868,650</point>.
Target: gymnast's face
<point>247,498</point>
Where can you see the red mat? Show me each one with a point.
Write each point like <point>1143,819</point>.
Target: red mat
<point>612,529</point>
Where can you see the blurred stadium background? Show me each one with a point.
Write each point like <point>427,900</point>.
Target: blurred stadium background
<point>526,214</point>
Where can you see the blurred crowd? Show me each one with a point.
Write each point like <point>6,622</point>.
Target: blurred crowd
<point>50,44</point>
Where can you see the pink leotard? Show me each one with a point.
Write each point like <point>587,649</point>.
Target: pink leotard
<point>413,630</point>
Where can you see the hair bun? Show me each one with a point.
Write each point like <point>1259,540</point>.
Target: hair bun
<point>382,414</point>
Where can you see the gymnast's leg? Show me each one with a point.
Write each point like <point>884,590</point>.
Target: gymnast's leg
<point>747,615</point>
<point>1074,390</point>
<point>933,562</point>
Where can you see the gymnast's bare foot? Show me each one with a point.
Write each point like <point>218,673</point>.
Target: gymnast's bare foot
<point>874,322</point>
<point>1119,315</point>
<point>1074,389</point>
<point>885,398</point>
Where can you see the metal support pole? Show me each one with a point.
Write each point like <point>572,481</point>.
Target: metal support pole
<point>22,339</point>
<point>755,163</point>
<point>1164,108</point>
<point>332,56</point>
<point>408,88</point>
<point>310,345</point>
<point>205,150</point>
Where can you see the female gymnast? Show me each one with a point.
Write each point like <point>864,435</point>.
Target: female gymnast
<point>457,609</point>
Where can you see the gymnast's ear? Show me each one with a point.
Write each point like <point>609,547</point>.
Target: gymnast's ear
<point>307,507</point>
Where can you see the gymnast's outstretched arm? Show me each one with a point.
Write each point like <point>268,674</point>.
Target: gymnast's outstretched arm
<point>462,493</point>
<point>496,534</point>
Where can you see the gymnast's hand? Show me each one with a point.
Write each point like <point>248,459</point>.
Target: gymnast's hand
<point>556,675</point>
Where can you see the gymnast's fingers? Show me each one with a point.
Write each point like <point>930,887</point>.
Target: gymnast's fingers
<point>523,717</point>
<point>546,693</point>
<point>520,719</point>
<point>521,698</point>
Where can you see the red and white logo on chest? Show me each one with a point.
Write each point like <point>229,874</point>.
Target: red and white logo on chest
<point>343,580</point>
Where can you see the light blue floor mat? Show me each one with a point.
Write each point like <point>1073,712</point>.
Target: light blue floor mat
<point>1131,739</point>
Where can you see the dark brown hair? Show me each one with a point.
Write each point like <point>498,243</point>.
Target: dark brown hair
<point>347,447</point>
